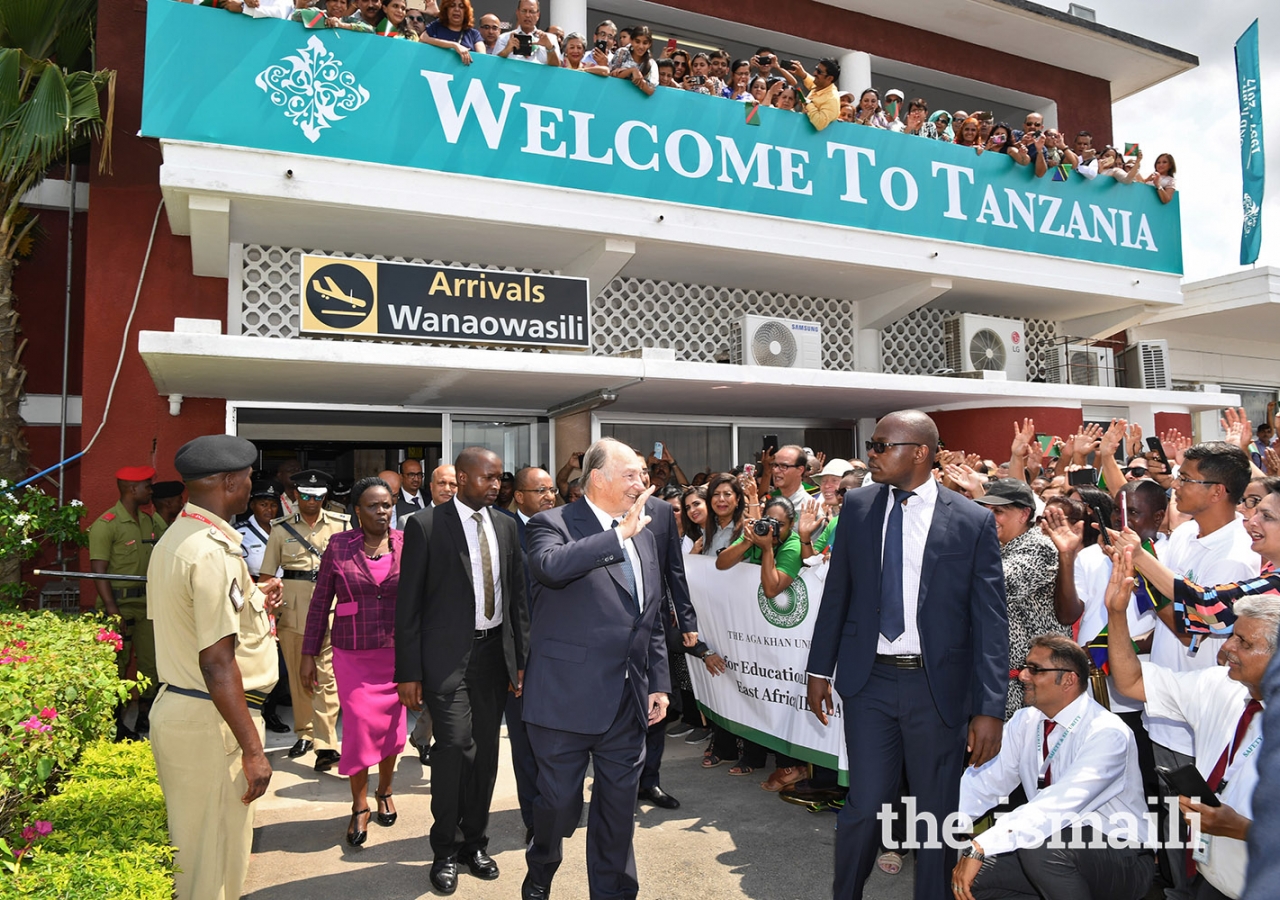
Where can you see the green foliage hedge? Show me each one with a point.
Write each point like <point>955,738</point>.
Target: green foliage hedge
<point>109,836</point>
<point>58,689</point>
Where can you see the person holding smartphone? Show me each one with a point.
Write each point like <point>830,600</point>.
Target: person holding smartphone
<point>527,42</point>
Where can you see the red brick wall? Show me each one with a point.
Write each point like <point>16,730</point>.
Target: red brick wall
<point>990,431</point>
<point>1167,420</point>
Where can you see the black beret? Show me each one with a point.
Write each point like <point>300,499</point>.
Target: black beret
<point>213,454</point>
<point>163,490</point>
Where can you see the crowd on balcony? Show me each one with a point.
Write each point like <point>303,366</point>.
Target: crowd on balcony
<point>763,79</point>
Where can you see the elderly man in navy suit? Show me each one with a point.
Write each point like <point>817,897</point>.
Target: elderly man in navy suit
<point>913,611</point>
<point>597,675</point>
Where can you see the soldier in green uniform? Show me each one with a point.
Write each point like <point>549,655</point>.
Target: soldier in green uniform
<point>217,661</point>
<point>296,543</point>
<point>120,543</point>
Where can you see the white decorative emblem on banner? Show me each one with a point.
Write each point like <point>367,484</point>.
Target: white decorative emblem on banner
<point>312,88</point>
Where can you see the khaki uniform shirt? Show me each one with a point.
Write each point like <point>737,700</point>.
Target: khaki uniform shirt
<point>287,552</point>
<point>201,593</point>
<point>124,543</point>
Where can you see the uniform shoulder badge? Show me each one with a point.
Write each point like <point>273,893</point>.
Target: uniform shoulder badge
<point>107,516</point>
<point>341,517</point>
<point>279,520</point>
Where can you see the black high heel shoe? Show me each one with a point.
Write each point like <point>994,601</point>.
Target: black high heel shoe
<point>386,819</point>
<point>355,835</point>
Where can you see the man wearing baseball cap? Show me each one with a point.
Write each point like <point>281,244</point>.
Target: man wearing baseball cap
<point>296,543</point>
<point>217,660</point>
<point>120,543</point>
<point>894,100</point>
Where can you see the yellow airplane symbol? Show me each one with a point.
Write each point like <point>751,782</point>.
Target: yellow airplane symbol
<point>333,292</point>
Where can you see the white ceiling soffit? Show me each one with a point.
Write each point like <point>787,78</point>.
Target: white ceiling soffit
<point>1129,62</point>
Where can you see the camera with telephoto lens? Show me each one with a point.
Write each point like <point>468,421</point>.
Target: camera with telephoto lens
<point>767,525</point>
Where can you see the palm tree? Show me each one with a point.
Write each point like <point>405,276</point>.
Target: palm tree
<point>48,108</point>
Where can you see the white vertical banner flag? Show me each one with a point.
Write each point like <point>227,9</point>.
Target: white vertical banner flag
<point>765,644</point>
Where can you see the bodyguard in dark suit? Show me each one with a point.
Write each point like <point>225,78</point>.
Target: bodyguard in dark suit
<point>666,537</point>
<point>597,674</point>
<point>461,631</point>
<point>913,612</point>
<point>535,493</point>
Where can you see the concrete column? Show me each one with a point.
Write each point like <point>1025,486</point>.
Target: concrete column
<point>867,356</point>
<point>855,72</point>
<point>573,433</point>
<point>571,15</point>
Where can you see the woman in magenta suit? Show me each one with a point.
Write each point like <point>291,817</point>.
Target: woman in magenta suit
<point>361,568</point>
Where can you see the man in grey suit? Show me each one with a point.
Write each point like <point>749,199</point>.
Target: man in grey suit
<point>462,626</point>
<point>913,610</point>
<point>597,675</point>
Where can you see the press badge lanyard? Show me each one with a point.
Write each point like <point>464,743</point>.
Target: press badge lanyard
<point>1053,751</point>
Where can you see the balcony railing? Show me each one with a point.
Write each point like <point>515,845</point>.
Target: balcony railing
<point>275,85</point>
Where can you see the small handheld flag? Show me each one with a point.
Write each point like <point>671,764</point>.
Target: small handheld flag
<point>1132,149</point>
<point>1062,172</point>
<point>753,112</point>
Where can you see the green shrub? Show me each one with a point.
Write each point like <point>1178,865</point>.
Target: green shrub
<point>58,688</point>
<point>109,837</point>
<point>29,520</point>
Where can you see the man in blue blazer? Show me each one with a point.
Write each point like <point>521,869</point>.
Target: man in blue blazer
<point>597,674</point>
<point>913,611</point>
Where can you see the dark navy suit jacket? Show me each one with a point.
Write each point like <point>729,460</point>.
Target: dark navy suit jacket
<point>671,560</point>
<point>587,644</point>
<point>962,617</point>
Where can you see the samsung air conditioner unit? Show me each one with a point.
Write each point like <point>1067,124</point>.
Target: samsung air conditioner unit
<point>782,343</point>
<point>985,344</point>
<point>1084,364</point>
<point>1146,366</point>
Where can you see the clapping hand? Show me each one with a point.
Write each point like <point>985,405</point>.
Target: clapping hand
<point>1112,438</point>
<point>964,478</point>
<point>1022,438</point>
<point>1175,441</point>
<point>1120,587</point>
<point>1066,535</point>
<point>1237,427</point>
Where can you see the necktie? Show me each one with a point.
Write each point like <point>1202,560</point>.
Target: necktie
<point>628,573</point>
<point>892,618</point>
<point>486,565</point>
<point>417,501</point>
<point>1251,709</point>
<point>1049,725</point>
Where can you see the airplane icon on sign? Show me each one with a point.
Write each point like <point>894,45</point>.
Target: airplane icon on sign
<point>333,292</point>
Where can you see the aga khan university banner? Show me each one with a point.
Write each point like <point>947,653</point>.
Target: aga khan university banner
<point>765,644</point>
<point>275,85</point>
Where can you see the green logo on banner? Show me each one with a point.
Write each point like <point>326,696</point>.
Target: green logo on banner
<point>788,609</point>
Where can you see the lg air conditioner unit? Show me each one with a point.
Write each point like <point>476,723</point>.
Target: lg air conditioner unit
<point>985,344</point>
<point>782,343</point>
<point>1081,364</point>
<point>1146,365</point>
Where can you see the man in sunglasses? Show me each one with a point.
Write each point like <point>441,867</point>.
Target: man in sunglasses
<point>914,612</point>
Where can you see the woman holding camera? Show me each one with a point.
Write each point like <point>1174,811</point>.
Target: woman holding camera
<point>770,543</point>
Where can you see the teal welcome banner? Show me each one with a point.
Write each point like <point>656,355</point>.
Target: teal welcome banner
<point>1253,154</point>
<point>275,85</point>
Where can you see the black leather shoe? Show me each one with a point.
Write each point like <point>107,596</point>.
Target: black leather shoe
<point>658,797</point>
<point>300,748</point>
<point>531,891</point>
<point>273,723</point>
<point>355,834</point>
<point>326,759</point>
<point>424,755</point>
<point>481,865</point>
<point>444,874</point>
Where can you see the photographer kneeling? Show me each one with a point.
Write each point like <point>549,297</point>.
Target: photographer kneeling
<point>770,543</point>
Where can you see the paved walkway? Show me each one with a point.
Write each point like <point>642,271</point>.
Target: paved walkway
<point>728,839</point>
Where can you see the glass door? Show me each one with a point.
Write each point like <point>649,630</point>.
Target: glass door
<point>514,439</point>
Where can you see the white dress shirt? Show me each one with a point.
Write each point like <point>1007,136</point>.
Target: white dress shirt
<point>1093,769</point>
<point>628,546</point>
<point>1092,575</point>
<point>471,529</point>
<point>1223,557</point>
<point>253,545</point>
<point>415,499</point>
<point>1211,704</point>
<point>917,516</point>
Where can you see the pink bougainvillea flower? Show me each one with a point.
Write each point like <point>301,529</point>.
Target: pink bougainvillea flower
<point>21,645</point>
<point>23,659</point>
<point>49,713</point>
<point>43,828</point>
<point>28,834</point>
<point>34,724</point>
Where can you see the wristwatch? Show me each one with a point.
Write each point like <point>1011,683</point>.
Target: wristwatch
<point>972,851</point>
<point>706,653</point>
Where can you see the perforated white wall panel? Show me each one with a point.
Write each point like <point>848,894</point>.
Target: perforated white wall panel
<point>914,344</point>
